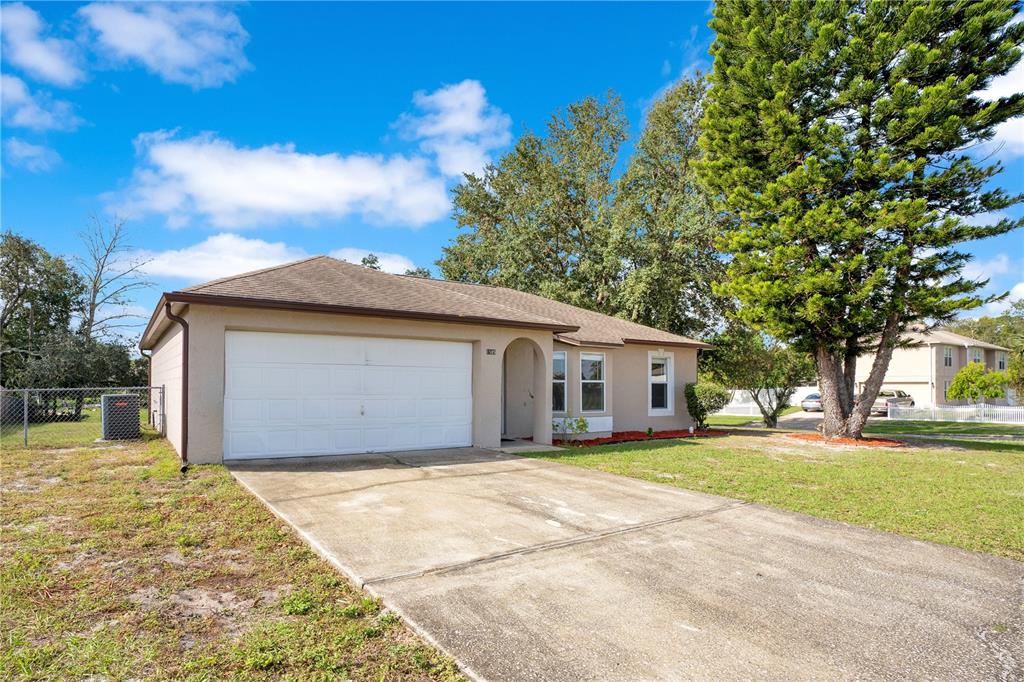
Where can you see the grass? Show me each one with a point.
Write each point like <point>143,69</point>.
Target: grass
<point>943,428</point>
<point>59,434</point>
<point>966,494</point>
<point>113,565</point>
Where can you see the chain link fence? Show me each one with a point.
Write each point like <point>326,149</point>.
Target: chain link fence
<point>65,417</point>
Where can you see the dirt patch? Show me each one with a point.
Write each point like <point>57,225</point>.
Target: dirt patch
<point>860,442</point>
<point>634,436</point>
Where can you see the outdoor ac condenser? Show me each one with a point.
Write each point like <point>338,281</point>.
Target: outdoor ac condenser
<point>120,416</point>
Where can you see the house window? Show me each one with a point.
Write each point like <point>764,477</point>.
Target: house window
<point>592,382</point>
<point>659,384</point>
<point>945,390</point>
<point>976,355</point>
<point>558,381</point>
<point>1002,361</point>
<point>947,357</point>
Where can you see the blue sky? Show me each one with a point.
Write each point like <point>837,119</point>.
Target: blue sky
<point>232,137</point>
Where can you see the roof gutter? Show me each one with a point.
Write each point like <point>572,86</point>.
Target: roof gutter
<point>184,382</point>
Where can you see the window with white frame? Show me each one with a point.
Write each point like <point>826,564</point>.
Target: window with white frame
<point>558,381</point>
<point>1002,361</point>
<point>659,384</point>
<point>945,390</point>
<point>947,357</point>
<point>592,377</point>
<point>976,355</point>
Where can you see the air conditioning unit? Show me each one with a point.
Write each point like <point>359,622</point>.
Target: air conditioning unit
<point>120,416</point>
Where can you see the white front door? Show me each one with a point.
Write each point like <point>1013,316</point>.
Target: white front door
<point>297,395</point>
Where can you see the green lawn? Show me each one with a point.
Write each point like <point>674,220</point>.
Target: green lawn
<point>966,494</point>
<point>115,566</point>
<point>943,428</point>
<point>57,434</point>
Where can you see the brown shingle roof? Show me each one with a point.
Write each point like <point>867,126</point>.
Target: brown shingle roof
<point>324,283</point>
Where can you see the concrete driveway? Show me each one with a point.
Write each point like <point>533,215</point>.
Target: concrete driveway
<point>529,570</point>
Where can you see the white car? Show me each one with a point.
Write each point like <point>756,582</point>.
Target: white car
<point>811,403</point>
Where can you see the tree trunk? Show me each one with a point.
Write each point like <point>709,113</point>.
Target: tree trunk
<point>862,409</point>
<point>834,391</point>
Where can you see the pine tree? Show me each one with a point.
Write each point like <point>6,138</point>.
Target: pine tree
<point>841,142</point>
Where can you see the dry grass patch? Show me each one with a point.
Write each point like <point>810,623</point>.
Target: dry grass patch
<point>114,565</point>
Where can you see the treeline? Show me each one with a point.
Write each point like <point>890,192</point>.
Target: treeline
<point>62,321</point>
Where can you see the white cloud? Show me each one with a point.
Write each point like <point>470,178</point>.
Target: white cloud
<point>225,254</point>
<point>389,262</point>
<point>999,307</point>
<point>1009,136</point>
<point>986,269</point>
<point>32,157</point>
<point>24,109</point>
<point>195,44</point>
<point>458,125</point>
<point>990,218</point>
<point>48,59</point>
<point>232,186</point>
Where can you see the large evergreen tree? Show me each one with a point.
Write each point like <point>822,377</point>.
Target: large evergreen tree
<point>839,142</point>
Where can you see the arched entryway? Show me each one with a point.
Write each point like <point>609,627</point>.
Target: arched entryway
<point>526,392</point>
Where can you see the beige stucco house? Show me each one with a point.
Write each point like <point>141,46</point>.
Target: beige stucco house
<point>323,357</point>
<point>926,369</point>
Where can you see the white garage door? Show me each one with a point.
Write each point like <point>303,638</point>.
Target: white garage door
<point>306,394</point>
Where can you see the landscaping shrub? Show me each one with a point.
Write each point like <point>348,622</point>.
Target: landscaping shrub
<point>703,399</point>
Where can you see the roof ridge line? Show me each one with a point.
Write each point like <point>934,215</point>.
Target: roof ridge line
<point>252,272</point>
<point>496,303</point>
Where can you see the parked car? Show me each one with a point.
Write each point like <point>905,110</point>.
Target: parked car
<point>887,398</point>
<point>812,403</point>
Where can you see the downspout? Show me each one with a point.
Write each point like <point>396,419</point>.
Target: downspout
<point>149,381</point>
<point>184,383</point>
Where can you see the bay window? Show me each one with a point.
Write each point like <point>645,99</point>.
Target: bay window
<point>592,377</point>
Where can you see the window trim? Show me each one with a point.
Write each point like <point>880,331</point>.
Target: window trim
<point>603,381</point>
<point>947,356</point>
<point>564,381</point>
<point>670,381</point>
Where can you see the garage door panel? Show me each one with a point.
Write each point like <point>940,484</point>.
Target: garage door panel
<point>315,380</point>
<point>378,380</point>
<point>348,440</point>
<point>247,444</point>
<point>346,380</point>
<point>403,408</point>
<point>346,408</point>
<point>295,394</point>
<point>246,412</point>
<point>244,381</point>
<point>316,410</point>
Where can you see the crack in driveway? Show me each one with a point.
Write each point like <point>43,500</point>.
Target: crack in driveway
<point>556,544</point>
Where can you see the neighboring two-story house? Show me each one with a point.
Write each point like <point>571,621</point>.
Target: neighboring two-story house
<point>926,370</point>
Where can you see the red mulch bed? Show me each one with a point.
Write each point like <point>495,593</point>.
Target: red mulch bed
<point>866,442</point>
<point>633,436</point>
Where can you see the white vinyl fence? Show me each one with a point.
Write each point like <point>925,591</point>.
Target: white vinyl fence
<point>743,404</point>
<point>998,414</point>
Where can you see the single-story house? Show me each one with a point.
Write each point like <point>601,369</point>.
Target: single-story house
<point>321,357</point>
